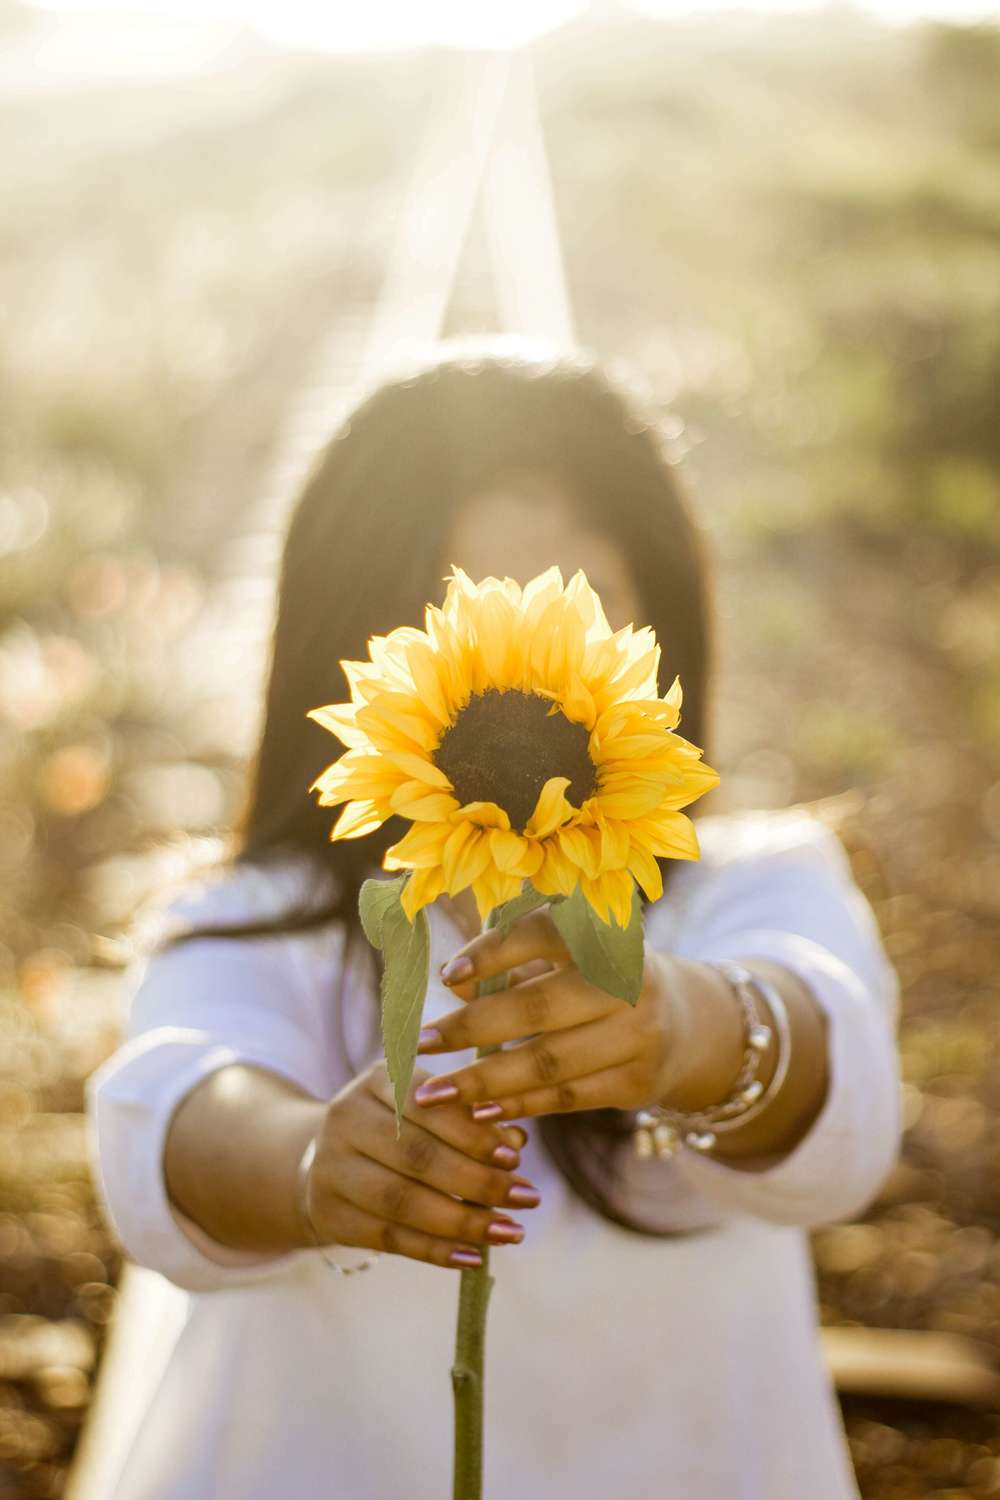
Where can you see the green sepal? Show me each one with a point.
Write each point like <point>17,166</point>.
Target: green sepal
<point>608,956</point>
<point>504,917</point>
<point>406,951</point>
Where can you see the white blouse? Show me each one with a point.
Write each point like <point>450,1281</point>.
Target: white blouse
<point>616,1364</point>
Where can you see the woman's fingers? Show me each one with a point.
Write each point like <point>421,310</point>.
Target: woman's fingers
<point>472,1137</point>
<point>532,937</point>
<point>422,1155</point>
<point>552,1001</point>
<point>433,1190</point>
<point>400,1201</point>
<point>520,972</point>
<point>347,1224</point>
<point>548,1059</point>
<point>620,1087</point>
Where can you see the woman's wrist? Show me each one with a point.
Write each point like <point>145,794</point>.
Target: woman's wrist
<point>706,1036</point>
<point>232,1154</point>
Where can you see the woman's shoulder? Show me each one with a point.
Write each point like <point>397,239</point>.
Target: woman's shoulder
<point>758,851</point>
<point>788,833</point>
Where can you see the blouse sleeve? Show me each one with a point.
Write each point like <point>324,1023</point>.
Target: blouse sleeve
<point>790,897</point>
<point>195,1008</point>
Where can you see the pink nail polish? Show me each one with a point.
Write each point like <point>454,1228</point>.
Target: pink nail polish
<point>471,1258</point>
<point>435,1091</point>
<point>506,1156</point>
<point>457,969</point>
<point>487,1111</point>
<point>505,1232</point>
<point>522,1196</point>
<point>429,1037</point>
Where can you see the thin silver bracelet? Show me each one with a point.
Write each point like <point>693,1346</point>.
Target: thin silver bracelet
<point>302,1202</point>
<point>661,1130</point>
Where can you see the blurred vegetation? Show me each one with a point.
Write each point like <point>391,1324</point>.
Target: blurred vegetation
<point>792,227</point>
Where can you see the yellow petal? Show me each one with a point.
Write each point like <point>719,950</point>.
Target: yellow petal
<point>582,847</point>
<point>632,746</point>
<point>493,889</point>
<point>418,802</point>
<point>596,895</point>
<point>538,594</point>
<point>530,861</point>
<point>419,768</point>
<point>339,719</point>
<point>639,679</point>
<point>668,833</point>
<point>420,847</point>
<point>634,803</point>
<point>397,721</point>
<point>646,871</point>
<point>611,896</point>
<point>357,819</point>
<point>466,862</point>
<point>485,901</point>
<point>557,875</point>
<point>485,814</point>
<point>695,782</point>
<point>588,604</point>
<point>551,809</point>
<point>458,837</point>
<point>509,850</point>
<point>618,887</point>
<point>498,638</point>
<point>425,668</point>
<point>673,698</point>
<point>577,703</point>
<point>423,887</point>
<point>343,782</point>
<point>614,845</point>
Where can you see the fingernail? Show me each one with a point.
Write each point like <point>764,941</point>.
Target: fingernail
<point>457,969</point>
<point>429,1037</point>
<point>489,1111</point>
<point>523,1134</point>
<point>520,1196</point>
<point>434,1090</point>
<point>505,1232</point>
<point>465,1258</point>
<point>506,1156</point>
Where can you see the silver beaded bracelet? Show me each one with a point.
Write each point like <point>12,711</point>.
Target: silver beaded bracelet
<point>302,1201</point>
<point>661,1130</point>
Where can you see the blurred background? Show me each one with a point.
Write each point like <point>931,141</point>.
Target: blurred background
<point>217,221</point>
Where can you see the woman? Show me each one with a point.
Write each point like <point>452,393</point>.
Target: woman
<point>652,1328</point>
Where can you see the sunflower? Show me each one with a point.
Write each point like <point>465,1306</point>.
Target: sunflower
<point>524,740</point>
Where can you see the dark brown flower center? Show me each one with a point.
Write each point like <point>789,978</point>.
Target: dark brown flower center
<point>503,747</point>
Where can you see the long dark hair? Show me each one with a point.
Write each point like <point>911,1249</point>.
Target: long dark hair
<point>364,554</point>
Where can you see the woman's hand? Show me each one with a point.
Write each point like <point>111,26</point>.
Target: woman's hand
<point>432,1194</point>
<point>585,1049</point>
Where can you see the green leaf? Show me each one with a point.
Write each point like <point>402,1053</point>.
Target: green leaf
<point>608,956</point>
<point>406,949</point>
<point>375,899</point>
<point>504,917</point>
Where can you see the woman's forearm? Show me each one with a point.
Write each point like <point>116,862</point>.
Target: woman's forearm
<point>230,1156</point>
<point>710,1032</point>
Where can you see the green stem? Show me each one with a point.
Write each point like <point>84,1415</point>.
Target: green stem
<point>468,1371</point>
<point>467,1379</point>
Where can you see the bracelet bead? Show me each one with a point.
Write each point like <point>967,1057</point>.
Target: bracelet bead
<point>661,1130</point>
